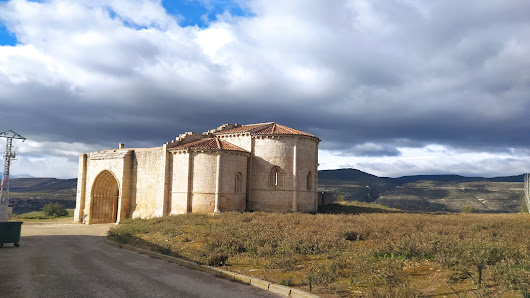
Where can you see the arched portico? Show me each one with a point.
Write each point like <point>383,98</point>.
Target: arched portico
<point>104,198</point>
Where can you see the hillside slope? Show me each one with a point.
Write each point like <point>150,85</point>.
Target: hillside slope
<point>43,185</point>
<point>431,193</point>
<point>31,194</point>
<point>427,193</point>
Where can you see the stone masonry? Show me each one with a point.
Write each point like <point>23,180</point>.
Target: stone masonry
<point>265,167</point>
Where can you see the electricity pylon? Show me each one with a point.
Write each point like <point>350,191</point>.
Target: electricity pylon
<point>527,190</point>
<point>4,187</point>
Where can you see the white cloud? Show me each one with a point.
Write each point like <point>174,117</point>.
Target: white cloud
<point>359,74</point>
<point>45,166</point>
<point>431,159</point>
<point>63,149</point>
<point>48,159</point>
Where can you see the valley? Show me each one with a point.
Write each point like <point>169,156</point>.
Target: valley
<point>422,193</point>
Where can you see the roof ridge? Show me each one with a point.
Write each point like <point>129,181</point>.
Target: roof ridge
<point>212,143</point>
<point>259,126</point>
<point>267,128</point>
<point>262,123</point>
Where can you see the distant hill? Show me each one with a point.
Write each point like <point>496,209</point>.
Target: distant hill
<point>421,193</point>
<point>17,176</point>
<point>31,194</point>
<point>431,193</point>
<point>347,175</point>
<point>360,176</point>
<point>458,178</point>
<point>43,185</point>
<point>356,177</point>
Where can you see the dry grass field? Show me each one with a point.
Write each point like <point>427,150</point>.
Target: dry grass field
<point>380,253</point>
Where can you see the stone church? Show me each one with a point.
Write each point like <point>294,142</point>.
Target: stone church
<point>265,166</point>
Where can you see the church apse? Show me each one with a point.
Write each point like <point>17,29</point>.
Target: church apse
<point>254,167</point>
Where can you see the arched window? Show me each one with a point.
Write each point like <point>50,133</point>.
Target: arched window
<point>238,182</point>
<point>276,178</point>
<point>309,182</point>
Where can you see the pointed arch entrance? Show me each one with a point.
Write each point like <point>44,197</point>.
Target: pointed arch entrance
<point>104,198</point>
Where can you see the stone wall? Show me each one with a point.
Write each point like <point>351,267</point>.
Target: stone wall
<point>278,193</point>
<point>278,173</point>
<point>118,163</point>
<point>307,164</point>
<point>241,140</point>
<point>180,182</point>
<point>204,181</point>
<point>233,181</point>
<point>148,172</point>
<point>270,152</point>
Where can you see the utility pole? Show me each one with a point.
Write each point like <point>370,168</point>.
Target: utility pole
<point>527,190</point>
<point>4,187</point>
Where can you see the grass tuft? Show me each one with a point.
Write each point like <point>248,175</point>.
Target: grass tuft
<point>383,253</point>
<point>40,215</point>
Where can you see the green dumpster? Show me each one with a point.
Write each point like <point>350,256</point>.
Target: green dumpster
<point>10,232</point>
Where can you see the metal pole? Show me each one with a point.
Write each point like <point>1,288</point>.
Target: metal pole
<point>4,187</point>
<point>4,195</point>
<point>527,190</point>
<point>5,177</point>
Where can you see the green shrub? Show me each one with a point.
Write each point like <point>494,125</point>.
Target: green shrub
<point>341,198</point>
<point>322,252</point>
<point>164,250</point>
<point>287,282</point>
<point>526,293</point>
<point>123,238</point>
<point>217,259</point>
<point>469,209</point>
<point>31,215</point>
<point>355,235</point>
<point>54,209</point>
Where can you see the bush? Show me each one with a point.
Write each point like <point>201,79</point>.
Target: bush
<point>397,255</point>
<point>123,238</point>
<point>217,259</point>
<point>164,250</point>
<point>288,282</point>
<point>54,209</point>
<point>30,215</point>
<point>469,209</point>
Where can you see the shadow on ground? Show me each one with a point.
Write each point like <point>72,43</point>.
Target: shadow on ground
<point>337,208</point>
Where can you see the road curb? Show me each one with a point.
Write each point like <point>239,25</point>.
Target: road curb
<point>249,280</point>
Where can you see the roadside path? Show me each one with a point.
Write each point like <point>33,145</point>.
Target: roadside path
<point>71,260</point>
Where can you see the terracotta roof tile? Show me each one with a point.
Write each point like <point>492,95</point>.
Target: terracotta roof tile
<point>242,128</point>
<point>210,143</point>
<point>270,128</point>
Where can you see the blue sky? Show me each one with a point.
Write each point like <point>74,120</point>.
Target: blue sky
<point>391,87</point>
<point>188,12</point>
<point>6,37</point>
<point>198,12</point>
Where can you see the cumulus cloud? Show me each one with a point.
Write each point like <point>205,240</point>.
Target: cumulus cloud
<point>371,149</point>
<point>362,75</point>
<point>431,159</point>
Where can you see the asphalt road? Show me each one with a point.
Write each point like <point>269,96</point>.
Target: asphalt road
<point>69,260</point>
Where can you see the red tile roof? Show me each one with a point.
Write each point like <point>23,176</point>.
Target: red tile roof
<point>242,128</point>
<point>212,144</point>
<point>270,128</point>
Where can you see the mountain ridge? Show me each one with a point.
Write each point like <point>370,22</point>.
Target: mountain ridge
<point>447,193</point>
<point>17,176</point>
<point>426,193</point>
<point>361,176</point>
